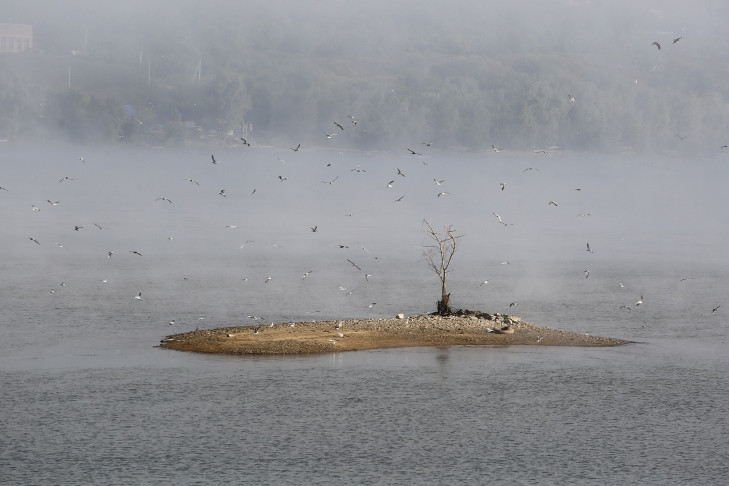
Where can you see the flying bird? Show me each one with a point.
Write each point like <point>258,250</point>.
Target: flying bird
<point>53,203</point>
<point>109,254</point>
<point>193,181</point>
<point>138,296</point>
<point>503,185</point>
<point>399,199</point>
<point>331,182</point>
<point>496,149</point>
<point>314,229</point>
<point>135,252</point>
<point>589,249</point>
<point>676,39</point>
<point>400,173</point>
<point>552,203</point>
<point>483,283</point>
<point>164,199</point>
<point>213,158</point>
<point>427,144</point>
<point>444,193</point>
<point>98,226</point>
<point>657,45</point>
<point>438,182</point>
<point>64,179</point>
<point>413,152</point>
<point>34,240</point>
<point>282,178</point>
<point>640,301</point>
<point>389,184</point>
<point>245,142</point>
<point>570,98</point>
<point>354,264</point>
<point>222,193</point>
<point>715,309</point>
<point>77,227</point>
<point>296,149</point>
<point>339,126</point>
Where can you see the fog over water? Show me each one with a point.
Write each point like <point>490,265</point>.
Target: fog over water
<point>258,162</point>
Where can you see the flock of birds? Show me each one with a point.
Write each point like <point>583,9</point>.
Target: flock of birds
<point>398,174</point>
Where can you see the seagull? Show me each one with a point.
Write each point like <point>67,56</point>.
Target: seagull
<point>314,229</point>
<point>400,173</point>
<point>343,246</point>
<point>513,304</point>
<point>552,203</point>
<point>64,179</point>
<point>109,254</point>
<point>532,168</point>
<point>245,142</point>
<point>77,227</point>
<point>222,193</point>
<point>268,279</point>
<point>640,301</point>
<point>413,152</point>
<point>656,44</point>
<point>503,185</point>
<point>98,226</point>
<point>570,98</point>
<point>496,149</point>
<point>589,249</point>
<point>399,199</point>
<point>281,160</point>
<point>715,309</point>
<point>282,178</point>
<point>213,158</point>
<point>372,305</point>
<point>438,182</point>
<point>488,329</point>
<point>443,194</point>
<point>296,149</point>
<point>389,184</point>
<point>82,159</point>
<point>354,122</point>
<point>53,203</point>
<point>193,181</point>
<point>4,189</point>
<point>35,208</point>
<point>483,283</point>
<point>676,39</point>
<point>164,199</point>
<point>682,138</point>
<point>34,240</point>
<point>339,126</point>
<point>354,264</point>
<point>231,226</point>
<point>624,307</point>
<point>329,135</point>
<point>505,263</point>
<point>331,182</point>
<point>306,274</point>
<point>587,273</point>
<point>539,339</point>
<point>135,252</point>
<point>138,296</point>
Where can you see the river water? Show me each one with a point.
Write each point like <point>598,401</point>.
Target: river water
<point>88,398</point>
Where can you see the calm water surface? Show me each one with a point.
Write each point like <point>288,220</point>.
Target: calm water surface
<point>87,398</point>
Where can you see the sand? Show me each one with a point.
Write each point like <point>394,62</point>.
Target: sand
<point>468,328</point>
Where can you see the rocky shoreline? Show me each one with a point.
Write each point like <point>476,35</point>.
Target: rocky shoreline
<point>462,328</point>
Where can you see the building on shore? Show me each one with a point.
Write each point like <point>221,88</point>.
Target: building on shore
<point>16,37</point>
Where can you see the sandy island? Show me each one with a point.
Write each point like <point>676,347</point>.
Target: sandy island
<point>465,328</point>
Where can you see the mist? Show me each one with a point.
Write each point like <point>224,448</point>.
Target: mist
<point>465,77</point>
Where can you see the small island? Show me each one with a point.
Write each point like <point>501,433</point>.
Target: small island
<point>460,328</point>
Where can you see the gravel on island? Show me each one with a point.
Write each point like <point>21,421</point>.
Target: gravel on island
<point>461,328</point>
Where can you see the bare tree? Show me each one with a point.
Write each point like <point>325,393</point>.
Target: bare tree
<point>439,257</point>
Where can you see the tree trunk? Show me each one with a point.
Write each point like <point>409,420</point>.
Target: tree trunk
<point>444,308</point>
